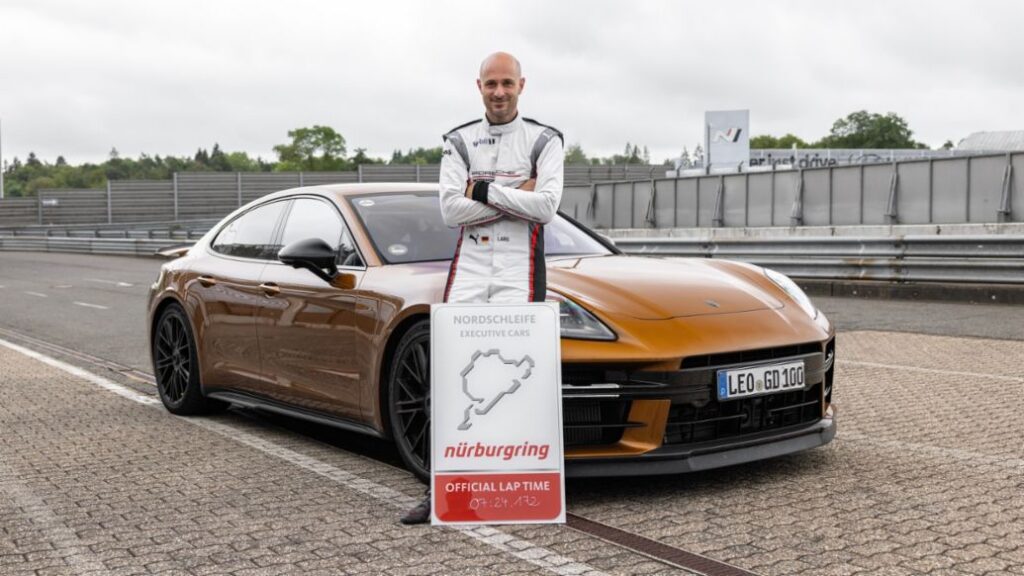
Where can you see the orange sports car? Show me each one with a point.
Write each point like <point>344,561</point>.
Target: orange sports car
<point>314,302</point>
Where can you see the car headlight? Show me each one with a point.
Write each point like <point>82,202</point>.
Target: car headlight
<point>576,322</point>
<point>794,291</point>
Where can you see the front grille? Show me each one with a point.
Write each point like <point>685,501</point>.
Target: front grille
<point>689,424</point>
<point>590,422</point>
<point>712,360</point>
<point>695,415</point>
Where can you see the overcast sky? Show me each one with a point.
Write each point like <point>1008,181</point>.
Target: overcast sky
<point>163,77</point>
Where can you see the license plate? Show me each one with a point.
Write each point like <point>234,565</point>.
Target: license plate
<point>757,380</point>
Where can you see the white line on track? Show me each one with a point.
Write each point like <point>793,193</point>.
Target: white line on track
<point>87,305</point>
<point>100,381</point>
<point>523,549</point>
<point>111,282</point>
<point>37,294</point>
<point>932,370</point>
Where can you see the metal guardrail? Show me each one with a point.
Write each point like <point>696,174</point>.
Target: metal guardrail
<point>945,259</point>
<point>106,246</point>
<point>187,229</point>
<point>960,259</point>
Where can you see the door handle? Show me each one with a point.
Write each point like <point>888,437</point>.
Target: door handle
<point>270,289</point>
<point>207,281</point>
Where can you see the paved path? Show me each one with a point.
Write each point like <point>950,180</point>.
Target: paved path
<point>97,478</point>
<point>926,475</point>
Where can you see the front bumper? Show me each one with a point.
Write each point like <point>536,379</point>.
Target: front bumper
<point>675,460</point>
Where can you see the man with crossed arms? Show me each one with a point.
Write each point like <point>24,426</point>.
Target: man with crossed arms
<point>501,181</point>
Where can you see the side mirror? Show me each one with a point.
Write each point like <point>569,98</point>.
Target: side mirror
<point>314,255</point>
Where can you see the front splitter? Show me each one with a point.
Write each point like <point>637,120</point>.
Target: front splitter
<point>663,462</point>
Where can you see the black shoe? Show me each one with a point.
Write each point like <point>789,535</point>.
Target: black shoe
<point>419,514</point>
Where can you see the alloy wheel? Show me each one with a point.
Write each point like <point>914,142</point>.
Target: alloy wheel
<point>411,400</point>
<point>173,358</point>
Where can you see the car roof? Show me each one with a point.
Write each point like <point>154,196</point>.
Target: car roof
<point>343,190</point>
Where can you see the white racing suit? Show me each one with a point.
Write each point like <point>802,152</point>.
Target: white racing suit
<point>500,252</point>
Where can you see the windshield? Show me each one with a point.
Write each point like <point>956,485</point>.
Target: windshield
<point>407,227</point>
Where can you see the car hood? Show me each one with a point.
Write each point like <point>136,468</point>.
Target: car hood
<point>659,288</point>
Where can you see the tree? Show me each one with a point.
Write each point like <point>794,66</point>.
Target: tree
<point>948,145</point>
<point>698,155</point>
<point>36,184</point>
<point>632,154</point>
<point>574,155</point>
<point>417,156</point>
<point>768,141</point>
<point>316,148</point>
<point>240,162</point>
<point>219,160</point>
<point>684,159</point>
<point>862,129</point>
<point>360,157</point>
<point>789,140</point>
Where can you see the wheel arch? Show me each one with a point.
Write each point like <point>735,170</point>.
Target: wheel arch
<point>404,325</point>
<point>194,400</point>
<point>166,301</point>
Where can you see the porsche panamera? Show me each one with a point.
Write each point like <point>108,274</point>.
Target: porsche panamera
<point>314,302</point>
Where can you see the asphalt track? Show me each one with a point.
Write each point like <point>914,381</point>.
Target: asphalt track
<point>97,304</point>
<point>926,475</point>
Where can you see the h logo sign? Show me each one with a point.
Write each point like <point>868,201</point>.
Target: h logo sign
<point>730,135</point>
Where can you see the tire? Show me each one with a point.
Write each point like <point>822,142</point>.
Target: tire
<point>408,389</point>
<point>176,366</point>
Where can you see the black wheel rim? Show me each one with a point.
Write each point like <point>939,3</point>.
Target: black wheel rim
<point>173,358</point>
<point>412,401</point>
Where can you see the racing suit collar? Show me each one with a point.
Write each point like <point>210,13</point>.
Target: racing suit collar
<point>510,126</point>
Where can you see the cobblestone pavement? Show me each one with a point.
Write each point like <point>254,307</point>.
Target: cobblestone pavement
<point>92,482</point>
<point>926,476</point>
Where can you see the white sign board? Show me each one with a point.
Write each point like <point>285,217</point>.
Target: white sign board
<point>727,138</point>
<point>496,414</point>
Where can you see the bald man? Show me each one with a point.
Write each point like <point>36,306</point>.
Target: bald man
<point>501,181</point>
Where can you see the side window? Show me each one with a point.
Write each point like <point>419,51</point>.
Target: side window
<point>250,235</point>
<point>347,253</point>
<point>312,218</point>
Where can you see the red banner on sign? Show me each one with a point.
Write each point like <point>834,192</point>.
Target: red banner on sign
<point>497,497</point>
